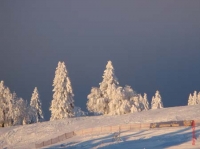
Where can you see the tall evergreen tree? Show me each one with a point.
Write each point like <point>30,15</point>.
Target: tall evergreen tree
<point>194,99</point>
<point>144,102</point>
<point>62,104</point>
<point>190,100</point>
<point>6,104</point>
<point>116,106</point>
<point>36,105</point>
<point>108,88</point>
<point>198,98</point>
<point>156,102</point>
<point>109,79</point>
<point>20,111</point>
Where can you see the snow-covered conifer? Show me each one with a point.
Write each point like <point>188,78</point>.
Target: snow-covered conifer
<point>190,100</point>
<point>116,105</point>
<point>6,105</point>
<point>135,103</point>
<point>108,87</point>
<point>144,102</point>
<point>92,99</point>
<point>78,112</point>
<point>141,104</point>
<point>36,106</point>
<point>109,79</point>
<point>26,113</point>
<point>2,103</point>
<point>194,100</point>
<point>134,109</point>
<point>62,104</point>
<point>21,112</point>
<point>133,99</point>
<point>156,102</point>
<point>198,98</point>
<point>125,107</point>
<point>96,103</point>
<point>195,97</point>
<point>129,93</point>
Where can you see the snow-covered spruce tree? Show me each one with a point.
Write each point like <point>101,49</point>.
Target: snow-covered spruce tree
<point>26,113</point>
<point>132,99</point>
<point>109,79</point>
<point>2,104</point>
<point>36,106</point>
<point>156,102</point>
<point>116,102</point>
<point>62,104</point>
<point>190,100</point>
<point>198,98</point>
<point>129,93</point>
<point>195,97</point>
<point>78,112</point>
<point>108,88</point>
<point>96,102</point>
<point>141,105</point>
<point>124,103</point>
<point>19,111</point>
<point>135,104</point>
<point>23,112</point>
<point>6,105</point>
<point>144,104</point>
<point>194,100</point>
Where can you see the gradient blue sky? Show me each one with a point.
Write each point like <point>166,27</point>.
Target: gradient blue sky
<point>154,45</point>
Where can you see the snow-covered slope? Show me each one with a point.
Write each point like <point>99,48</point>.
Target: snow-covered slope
<point>26,136</point>
<point>170,138</point>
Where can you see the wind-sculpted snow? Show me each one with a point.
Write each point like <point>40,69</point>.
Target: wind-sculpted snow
<point>27,135</point>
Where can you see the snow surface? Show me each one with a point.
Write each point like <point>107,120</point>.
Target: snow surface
<point>25,137</point>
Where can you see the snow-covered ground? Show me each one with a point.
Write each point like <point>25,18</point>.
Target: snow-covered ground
<point>171,138</point>
<point>25,137</point>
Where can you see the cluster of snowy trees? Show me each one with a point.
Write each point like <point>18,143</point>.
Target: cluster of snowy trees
<point>112,99</point>
<point>16,111</point>
<point>109,98</point>
<point>194,99</point>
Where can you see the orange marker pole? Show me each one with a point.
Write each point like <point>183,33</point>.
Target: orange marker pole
<point>193,133</point>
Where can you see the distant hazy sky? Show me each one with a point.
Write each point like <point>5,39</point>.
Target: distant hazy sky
<point>153,44</point>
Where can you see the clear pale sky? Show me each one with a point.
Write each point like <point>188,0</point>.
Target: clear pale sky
<point>154,45</point>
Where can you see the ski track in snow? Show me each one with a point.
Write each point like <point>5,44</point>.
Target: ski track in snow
<point>25,137</point>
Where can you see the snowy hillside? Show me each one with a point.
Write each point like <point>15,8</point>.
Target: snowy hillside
<point>165,138</point>
<point>26,136</point>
